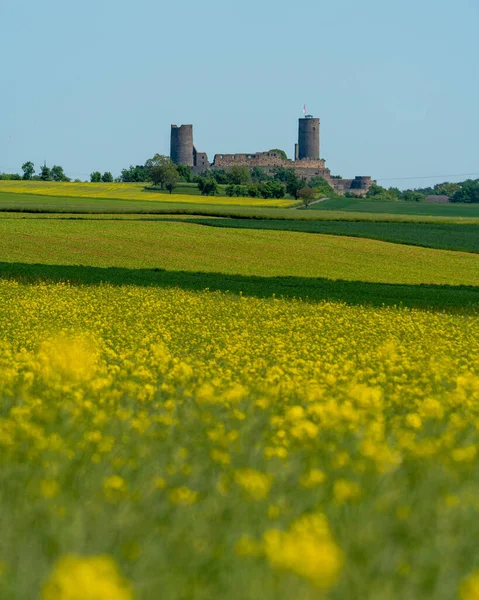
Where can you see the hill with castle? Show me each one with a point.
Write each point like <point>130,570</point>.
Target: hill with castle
<point>307,162</point>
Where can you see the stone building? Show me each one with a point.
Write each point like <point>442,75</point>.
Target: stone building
<point>307,162</point>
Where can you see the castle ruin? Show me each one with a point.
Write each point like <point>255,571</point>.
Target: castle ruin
<point>307,162</point>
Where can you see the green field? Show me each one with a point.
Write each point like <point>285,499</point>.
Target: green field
<point>41,203</point>
<point>359,254</point>
<point>192,247</point>
<point>448,236</point>
<point>222,207</point>
<point>186,193</point>
<point>369,205</point>
<point>254,262</point>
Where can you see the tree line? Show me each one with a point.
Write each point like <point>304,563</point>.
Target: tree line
<point>240,181</point>
<point>464,191</point>
<point>54,173</point>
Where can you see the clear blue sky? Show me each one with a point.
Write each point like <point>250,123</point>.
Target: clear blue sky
<point>96,84</point>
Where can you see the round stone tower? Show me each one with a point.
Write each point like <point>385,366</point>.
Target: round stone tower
<point>308,139</point>
<point>361,182</point>
<point>181,148</point>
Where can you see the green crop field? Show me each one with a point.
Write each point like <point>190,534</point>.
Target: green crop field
<point>128,191</point>
<point>369,205</point>
<point>41,203</point>
<point>222,207</point>
<point>448,236</point>
<point>256,262</point>
<point>193,247</point>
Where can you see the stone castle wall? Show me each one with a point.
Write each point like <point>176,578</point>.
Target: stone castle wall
<point>262,159</point>
<point>200,161</point>
<point>359,185</point>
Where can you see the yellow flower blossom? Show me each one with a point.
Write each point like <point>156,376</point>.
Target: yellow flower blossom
<point>254,483</point>
<point>469,589</point>
<point>115,488</point>
<point>345,491</point>
<point>312,478</point>
<point>183,496</point>
<point>86,578</point>
<point>189,423</point>
<point>307,549</point>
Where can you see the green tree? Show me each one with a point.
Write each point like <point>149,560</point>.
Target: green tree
<point>107,177</point>
<point>272,189</point>
<point>282,173</point>
<point>281,153</point>
<point>207,186</point>
<point>322,187</point>
<point>395,193</point>
<point>412,196</point>
<point>376,190</point>
<point>379,193</point>
<point>220,175</point>
<point>239,175</point>
<point>253,191</point>
<point>446,189</point>
<point>95,177</point>
<point>171,180</point>
<point>45,173</point>
<point>28,169</point>
<point>134,174</point>
<point>10,177</point>
<point>469,192</point>
<point>306,195</point>
<point>57,174</point>
<point>185,172</point>
<point>294,184</point>
<point>161,170</point>
<point>259,175</point>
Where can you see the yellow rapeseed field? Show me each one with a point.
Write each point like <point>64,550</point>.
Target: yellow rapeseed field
<point>129,191</point>
<point>159,443</point>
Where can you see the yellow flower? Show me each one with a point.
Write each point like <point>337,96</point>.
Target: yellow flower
<point>115,488</point>
<point>307,549</point>
<point>254,483</point>
<point>86,578</point>
<point>467,454</point>
<point>183,496</point>
<point>49,488</point>
<point>345,491</point>
<point>469,589</point>
<point>304,429</point>
<point>414,421</point>
<point>220,456</point>
<point>160,483</point>
<point>67,361</point>
<point>273,511</point>
<point>312,478</point>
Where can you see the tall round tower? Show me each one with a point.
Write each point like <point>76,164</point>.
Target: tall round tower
<point>308,138</point>
<point>181,148</point>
